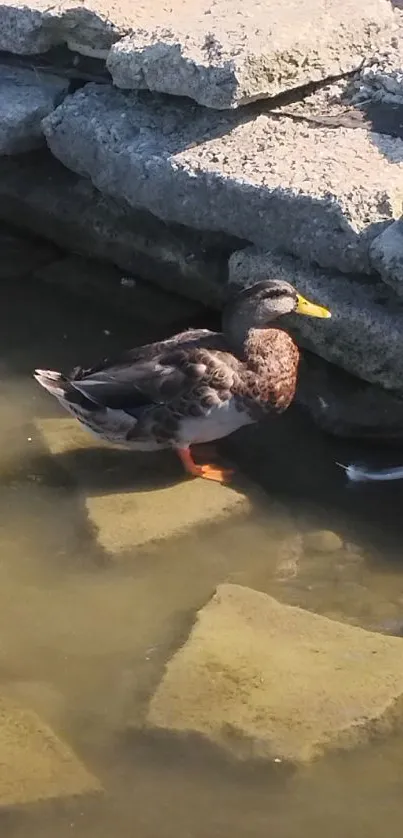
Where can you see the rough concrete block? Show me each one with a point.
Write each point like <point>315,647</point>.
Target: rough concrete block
<point>269,47</point>
<point>26,97</point>
<point>265,680</point>
<point>381,78</point>
<point>310,190</point>
<point>189,48</point>
<point>39,194</point>
<point>35,764</point>
<point>386,254</point>
<point>346,406</point>
<point>23,29</point>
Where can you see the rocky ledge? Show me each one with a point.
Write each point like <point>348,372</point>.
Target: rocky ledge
<point>185,156</point>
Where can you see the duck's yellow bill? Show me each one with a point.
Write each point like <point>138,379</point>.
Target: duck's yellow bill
<point>310,309</point>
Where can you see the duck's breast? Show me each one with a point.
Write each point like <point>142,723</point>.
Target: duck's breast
<point>219,421</point>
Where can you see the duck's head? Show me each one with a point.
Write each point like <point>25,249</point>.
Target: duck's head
<point>257,306</point>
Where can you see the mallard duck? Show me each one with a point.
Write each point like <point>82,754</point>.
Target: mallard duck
<point>195,387</point>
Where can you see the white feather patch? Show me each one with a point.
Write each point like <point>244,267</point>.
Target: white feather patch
<point>221,420</point>
<point>361,474</point>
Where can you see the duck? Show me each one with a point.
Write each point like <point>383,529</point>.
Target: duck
<point>197,386</point>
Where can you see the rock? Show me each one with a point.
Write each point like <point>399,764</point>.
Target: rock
<point>322,541</point>
<point>345,406</point>
<point>188,50</point>
<point>103,282</point>
<point>23,29</point>
<point>313,191</point>
<point>35,764</point>
<point>265,680</point>
<point>20,255</point>
<point>37,193</point>
<point>386,253</point>
<point>381,77</point>
<point>364,334</point>
<point>124,521</point>
<point>289,556</point>
<point>40,696</point>
<point>36,26</point>
<point>26,97</point>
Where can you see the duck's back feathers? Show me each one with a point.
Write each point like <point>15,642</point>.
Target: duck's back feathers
<point>190,388</point>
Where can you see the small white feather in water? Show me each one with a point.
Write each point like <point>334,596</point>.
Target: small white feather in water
<point>360,474</point>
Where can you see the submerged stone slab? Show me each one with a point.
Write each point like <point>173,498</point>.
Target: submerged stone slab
<point>35,764</point>
<point>386,254</point>
<point>26,97</point>
<point>190,50</point>
<point>39,194</point>
<point>265,680</point>
<point>365,332</point>
<point>125,520</point>
<point>314,191</point>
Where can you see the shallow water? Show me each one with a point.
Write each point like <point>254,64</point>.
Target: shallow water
<point>84,642</point>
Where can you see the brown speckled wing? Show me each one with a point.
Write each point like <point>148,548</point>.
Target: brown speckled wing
<point>210,376</point>
<point>186,376</point>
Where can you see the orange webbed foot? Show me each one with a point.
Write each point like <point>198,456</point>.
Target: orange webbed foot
<point>206,471</point>
<point>221,475</point>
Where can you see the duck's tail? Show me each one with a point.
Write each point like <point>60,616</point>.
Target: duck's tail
<point>54,382</point>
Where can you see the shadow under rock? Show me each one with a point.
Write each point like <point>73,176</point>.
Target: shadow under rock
<point>297,464</point>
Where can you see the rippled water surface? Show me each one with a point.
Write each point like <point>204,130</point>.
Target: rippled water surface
<point>83,640</point>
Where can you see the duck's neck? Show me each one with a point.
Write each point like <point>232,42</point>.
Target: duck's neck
<point>238,325</point>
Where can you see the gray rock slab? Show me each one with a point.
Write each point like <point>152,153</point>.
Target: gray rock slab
<point>38,194</point>
<point>386,254</point>
<point>22,27</point>
<point>267,48</point>
<point>35,764</point>
<point>346,406</point>
<point>314,191</point>
<point>364,334</point>
<point>265,680</point>
<point>34,26</point>
<point>26,97</point>
<point>381,79</point>
<point>190,49</point>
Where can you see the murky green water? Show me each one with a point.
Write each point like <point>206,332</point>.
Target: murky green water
<point>84,642</point>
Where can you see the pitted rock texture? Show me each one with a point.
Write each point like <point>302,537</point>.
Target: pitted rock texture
<point>386,253</point>
<point>316,192</point>
<point>40,195</point>
<point>26,97</point>
<point>222,53</point>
